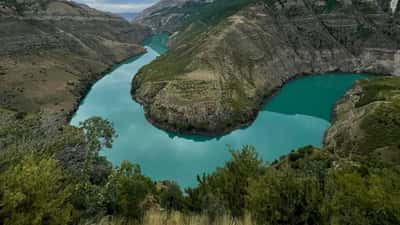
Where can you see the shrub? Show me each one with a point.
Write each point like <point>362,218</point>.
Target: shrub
<point>370,200</point>
<point>227,187</point>
<point>284,197</point>
<point>34,192</point>
<point>126,190</point>
<point>171,197</point>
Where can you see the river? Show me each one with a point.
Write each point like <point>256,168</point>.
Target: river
<point>297,116</point>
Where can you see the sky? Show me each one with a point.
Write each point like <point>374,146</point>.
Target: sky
<point>118,6</point>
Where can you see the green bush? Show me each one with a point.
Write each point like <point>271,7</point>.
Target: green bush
<point>34,192</point>
<point>227,187</point>
<point>171,197</point>
<point>370,200</point>
<point>284,197</point>
<point>126,191</point>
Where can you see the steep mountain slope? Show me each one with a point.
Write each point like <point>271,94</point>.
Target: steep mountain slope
<point>51,51</point>
<point>216,80</point>
<point>167,15</point>
<point>172,16</point>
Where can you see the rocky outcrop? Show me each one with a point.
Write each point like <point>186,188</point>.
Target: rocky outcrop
<point>168,15</point>
<point>219,79</point>
<point>51,51</point>
<point>367,121</point>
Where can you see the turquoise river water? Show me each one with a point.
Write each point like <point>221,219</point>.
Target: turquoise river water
<point>297,116</point>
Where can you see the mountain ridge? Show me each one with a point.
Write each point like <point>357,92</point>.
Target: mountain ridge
<point>169,15</point>
<point>216,80</point>
<point>53,50</point>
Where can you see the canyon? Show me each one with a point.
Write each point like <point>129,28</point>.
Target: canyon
<point>220,70</point>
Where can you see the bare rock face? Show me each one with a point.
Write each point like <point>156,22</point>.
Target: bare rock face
<point>219,79</point>
<point>52,50</point>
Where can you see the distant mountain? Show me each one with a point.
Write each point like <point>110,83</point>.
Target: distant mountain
<point>170,15</point>
<point>128,16</point>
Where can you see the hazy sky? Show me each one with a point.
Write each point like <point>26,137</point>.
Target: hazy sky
<point>118,6</point>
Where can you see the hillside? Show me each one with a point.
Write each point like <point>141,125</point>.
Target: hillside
<point>173,16</point>
<point>167,15</point>
<point>225,63</point>
<point>367,121</point>
<point>52,50</point>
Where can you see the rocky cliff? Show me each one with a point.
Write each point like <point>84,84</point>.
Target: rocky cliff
<point>52,50</point>
<point>216,80</point>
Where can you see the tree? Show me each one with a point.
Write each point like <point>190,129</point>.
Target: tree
<point>93,135</point>
<point>373,199</point>
<point>34,192</point>
<point>171,196</point>
<point>285,197</point>
<point>126,190</point>
<point>99,134</point>
<point>227,187</point>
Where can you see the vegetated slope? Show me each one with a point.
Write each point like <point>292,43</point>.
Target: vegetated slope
<point>368,121</point>
<point>172,16</point>
<point>168,15</point>
<point>218,73</point>
<point>51,51</point>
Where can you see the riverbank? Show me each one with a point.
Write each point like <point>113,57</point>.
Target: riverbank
<point>88,86</point>
<point>251,115</point>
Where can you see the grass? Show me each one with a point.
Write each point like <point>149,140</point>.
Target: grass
<point>382,128</point>
<point>166,67</point>
<point>381,125</point>
<point>156,217</point>
<point>173,64</point>
<point>209,13</point>
<point>379,89</point>
<point>201,18</point>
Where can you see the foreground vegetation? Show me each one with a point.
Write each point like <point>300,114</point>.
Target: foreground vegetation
<point>58,177</point>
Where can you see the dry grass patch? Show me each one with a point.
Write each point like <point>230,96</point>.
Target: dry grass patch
<point>155,217</point>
